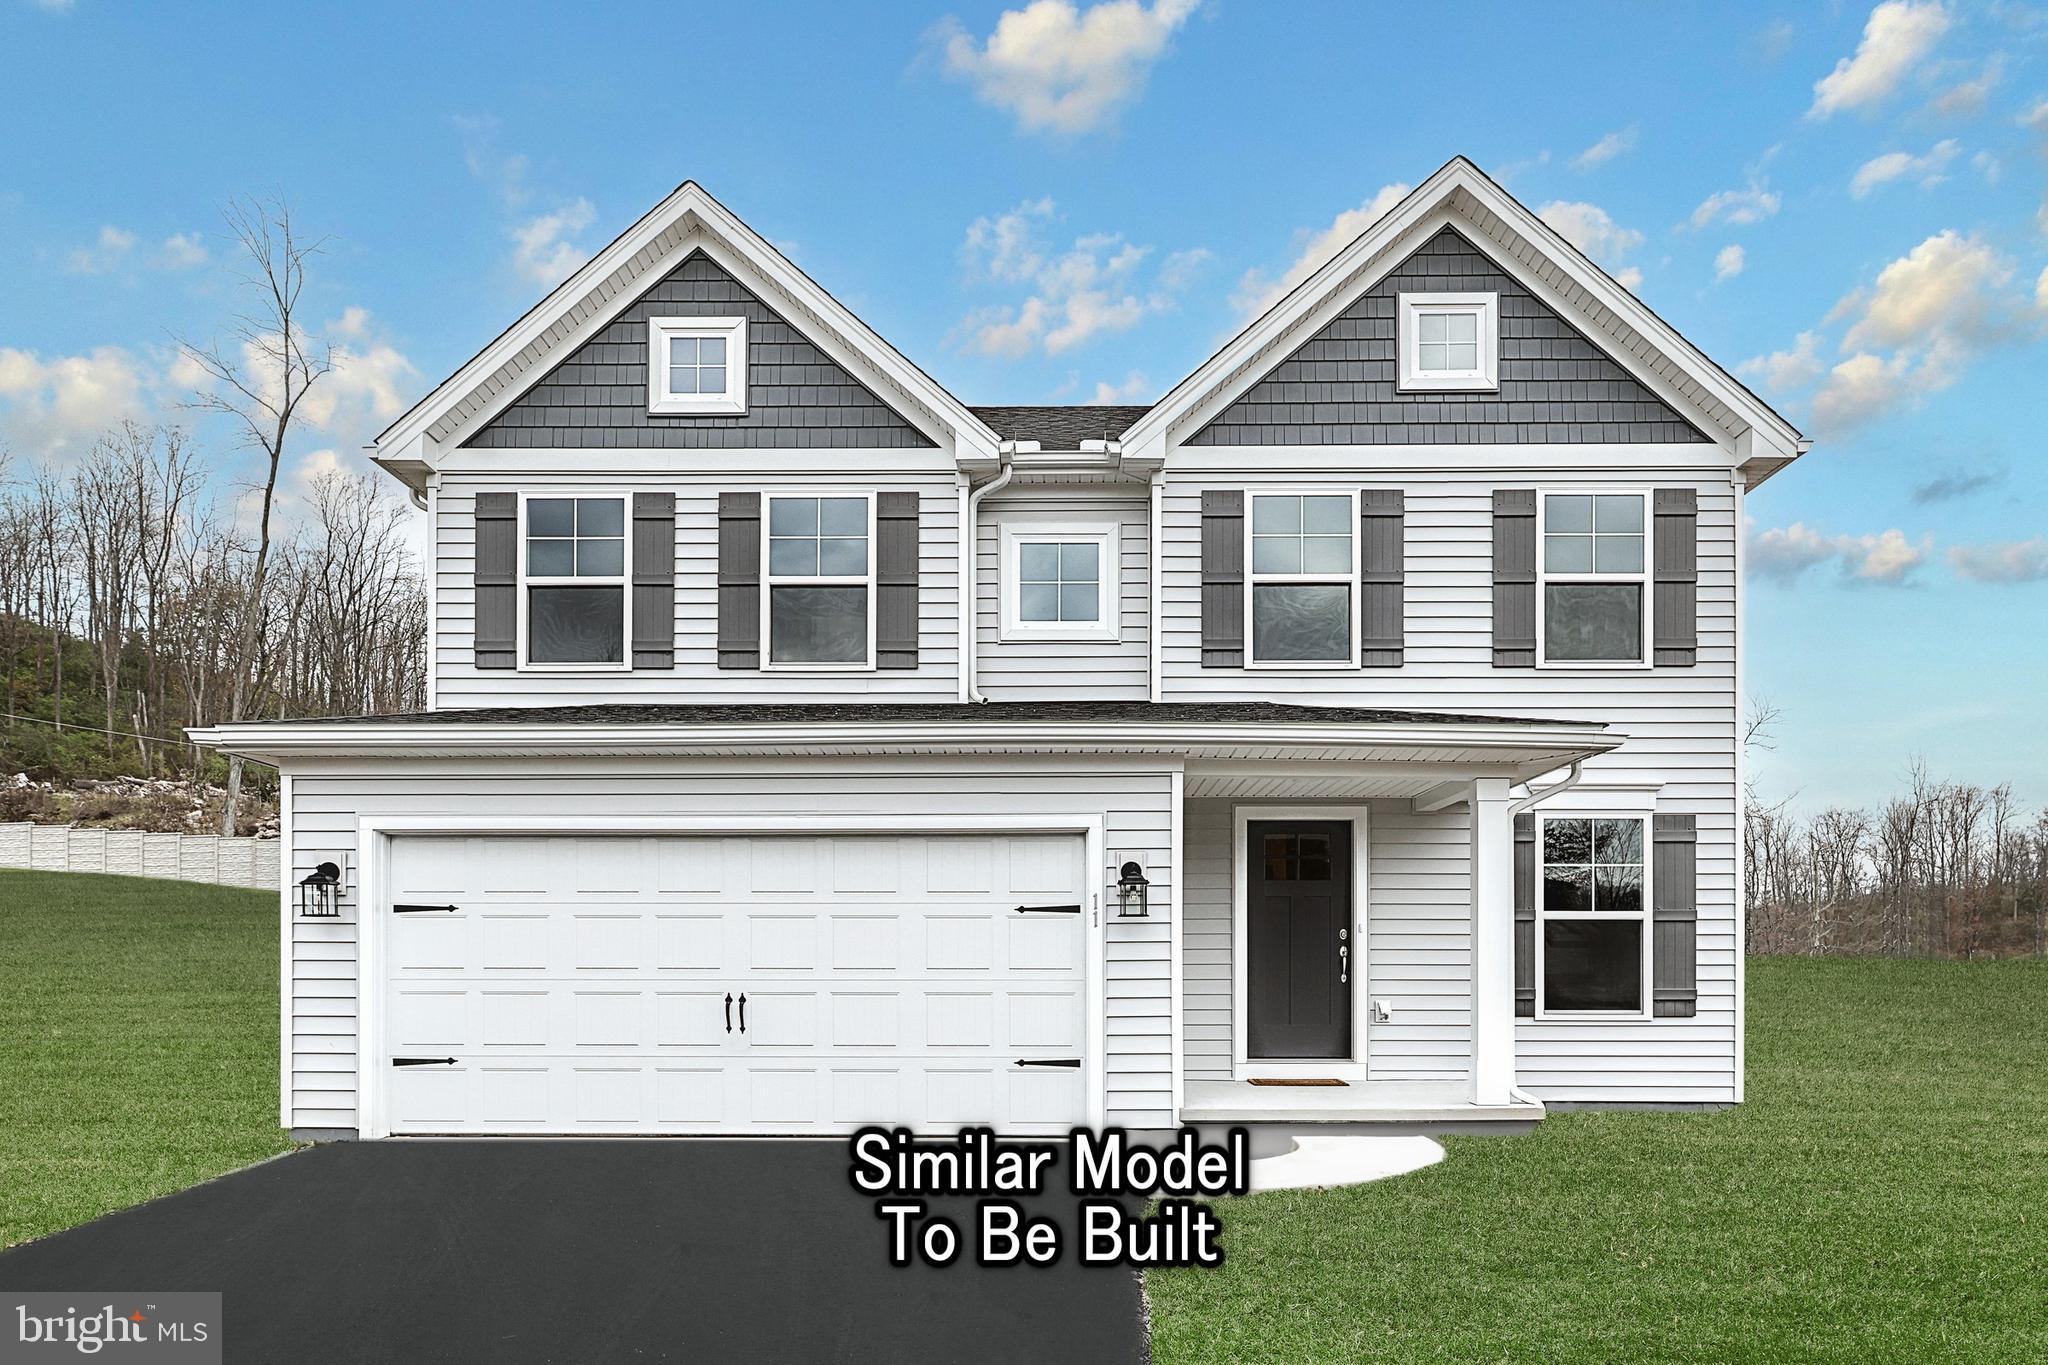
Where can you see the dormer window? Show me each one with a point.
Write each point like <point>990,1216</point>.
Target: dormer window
<point>1449,342</point>
<point>697,366</point>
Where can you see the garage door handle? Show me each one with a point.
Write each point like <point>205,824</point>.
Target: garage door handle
<point>728,1011</point>
<point>423,1061</point>
<point>743,1011</point>
<point>1049,1061</point>
<point>1048,909</point>
<point>423,909</point>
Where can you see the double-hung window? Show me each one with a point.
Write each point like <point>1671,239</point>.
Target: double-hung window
<point>1059,582</point>
<point>1593,948</point>
<point>1595,598</point>
<point>819,572</point>
<point>1303,601</point>
<point>697,366</point>
<point>574,600</point>
<point>1449,342</point>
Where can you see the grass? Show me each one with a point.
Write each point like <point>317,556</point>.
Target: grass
<point>138,1042</point>
<point>1882,1196</point>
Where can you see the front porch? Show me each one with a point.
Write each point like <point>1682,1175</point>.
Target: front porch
<point>1401,1104</point>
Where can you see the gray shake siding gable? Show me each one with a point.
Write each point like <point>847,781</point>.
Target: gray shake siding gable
<point>1339,387</point>
<point>797,395</point>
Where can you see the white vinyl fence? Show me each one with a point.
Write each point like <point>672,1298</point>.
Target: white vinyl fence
<point>141,853</point>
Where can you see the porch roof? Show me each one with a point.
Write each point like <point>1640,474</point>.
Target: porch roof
<point>1234,732</point>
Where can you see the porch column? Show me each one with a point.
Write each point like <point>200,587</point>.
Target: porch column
<point>1493,942</point>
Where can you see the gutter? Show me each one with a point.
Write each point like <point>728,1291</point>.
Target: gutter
<point>970,552</point>
<point>1571,780</point>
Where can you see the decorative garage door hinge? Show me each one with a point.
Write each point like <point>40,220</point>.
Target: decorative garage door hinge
<point>423,1061</point>
<point>1049,1061</point>
<point>403,909</point>
<point>1048,909</point>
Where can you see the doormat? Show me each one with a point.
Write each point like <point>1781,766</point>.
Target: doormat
<point>1306,1080</point>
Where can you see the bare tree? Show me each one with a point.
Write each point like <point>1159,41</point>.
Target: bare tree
<point>260,376</point>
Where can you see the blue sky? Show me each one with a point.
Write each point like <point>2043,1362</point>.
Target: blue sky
<point>1062,202</point>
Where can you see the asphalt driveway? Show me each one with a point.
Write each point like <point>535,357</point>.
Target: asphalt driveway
<point>579,1251</point>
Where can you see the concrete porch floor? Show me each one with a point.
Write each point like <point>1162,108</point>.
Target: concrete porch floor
<point>1391,1102</point>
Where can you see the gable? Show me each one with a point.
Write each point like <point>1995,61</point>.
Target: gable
<point>797,395</point>
<point>1339,387</point>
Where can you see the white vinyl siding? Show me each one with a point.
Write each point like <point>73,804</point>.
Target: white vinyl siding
<point>1065,670</point>
<point>696,677</point>
<point>1132,799</point>
<point>1680,724</point>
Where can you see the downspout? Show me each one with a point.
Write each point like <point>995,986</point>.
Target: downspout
<point>970,608</point>
<point>1152,580</point>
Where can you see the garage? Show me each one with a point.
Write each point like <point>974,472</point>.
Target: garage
<point>707,983</point>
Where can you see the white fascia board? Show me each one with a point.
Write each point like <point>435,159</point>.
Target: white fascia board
<point>1426,207</point>
<point>693,210</point>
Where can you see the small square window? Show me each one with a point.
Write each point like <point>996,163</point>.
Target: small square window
<point>1057,582</point>
<point>1448,341</point>
<point>696,366</point>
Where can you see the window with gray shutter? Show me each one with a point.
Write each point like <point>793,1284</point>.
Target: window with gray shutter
<point>654,580</point>
<point>497,580</point>
<point>1514,578</point>
<point>1674,900</point>
<point>739,580</point>
<point>1222,578</point>
<point>1674,607</point>
<point>1525,916</point>
<point>896,580</point>
<point>1382,556</point>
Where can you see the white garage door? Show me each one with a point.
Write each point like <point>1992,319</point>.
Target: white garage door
<point>733,984</point>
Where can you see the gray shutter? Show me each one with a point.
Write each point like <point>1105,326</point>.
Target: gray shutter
<point>1514,578</point>
<point>1674,911</point>
<point>1223,578</point>
<point>497,580</point>
<point>1382,553</point>
<point>654,580</point>
<point>739,580</point>
<point>1525,916</point>
<point>1674,609</point>
<point>896,580</point>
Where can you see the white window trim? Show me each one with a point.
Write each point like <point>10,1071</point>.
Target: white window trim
<point>1108,587</point>
<point>623,581</point>
<point>730,403</point>
<point>1483,379</point>
<point>770,582</point>
<point>1544,578</point>
<point>1646,916</point>
<point>1252,580</point>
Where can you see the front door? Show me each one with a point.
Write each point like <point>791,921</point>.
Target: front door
<point>1298,939</point>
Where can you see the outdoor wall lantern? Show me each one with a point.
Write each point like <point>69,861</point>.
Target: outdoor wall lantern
<point>320,893</point>
<point>1130,892</point>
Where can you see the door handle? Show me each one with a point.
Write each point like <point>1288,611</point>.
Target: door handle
<point>728,1011</point>
<point>743,1011</point>
<point>1343,963</point>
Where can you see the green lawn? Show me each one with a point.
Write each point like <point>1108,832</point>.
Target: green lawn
<point>138,1042</point>
<point>1882,1196</point>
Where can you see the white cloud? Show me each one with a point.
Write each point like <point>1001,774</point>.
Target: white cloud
<point>2013,561</point>
<point>1930,169</point>
<point>1782,371</point>
<point>1092,288</point>
<point>55,408</point>
<point>182,251</point>
<point>1062,69</point>
<point>542,249</point>
<point>1587,227</point>
<point>1775,39</point>
<point>1256,291</point>
<point>1135,388</point>
<point>2041,292</point>
<point>1729,261</point>
<point>504,172</point>
<point>1988,166</point>
<point>1752,204</point>
<point>1969,97</point>
<point>1948,286</point>
<point>1898,34</point>
<point>1785,553</point>
<point>108,252</point>
<point>1607,148</point>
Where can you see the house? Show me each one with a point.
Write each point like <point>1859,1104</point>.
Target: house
<point>808,748</point>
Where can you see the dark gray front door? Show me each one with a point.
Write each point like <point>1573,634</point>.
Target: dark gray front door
<point>1298,939</point>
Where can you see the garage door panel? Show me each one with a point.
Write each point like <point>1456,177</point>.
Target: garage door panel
<point>588,991</point>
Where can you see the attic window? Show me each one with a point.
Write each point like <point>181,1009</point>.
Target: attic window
<point>1449,342</point>
<point>697,366</point>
